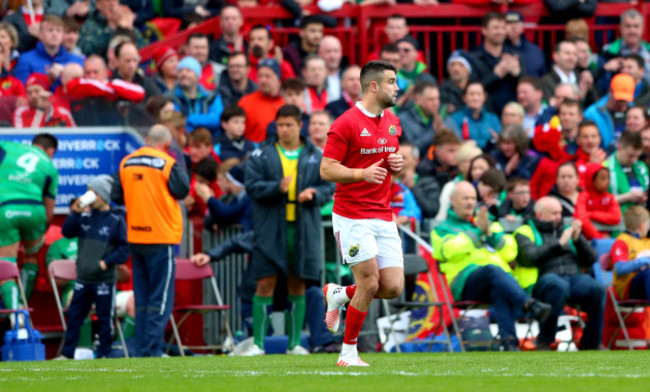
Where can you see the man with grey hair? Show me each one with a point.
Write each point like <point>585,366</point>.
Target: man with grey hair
<point>630,42</point>
<point>557,254</point>
<point>331,51</point>
<point>351,92</point>
<point>149,184</point>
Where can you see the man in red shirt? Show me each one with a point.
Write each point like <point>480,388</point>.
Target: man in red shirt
<point>360,151</point>
<point>41,111</point>
<point>262,105</point>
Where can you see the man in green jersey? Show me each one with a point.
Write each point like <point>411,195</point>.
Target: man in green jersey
<point>28,188</point>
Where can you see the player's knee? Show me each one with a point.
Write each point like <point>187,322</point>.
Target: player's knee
<point>391,292</point>
<point>370,286</point>
<point>265,287</point>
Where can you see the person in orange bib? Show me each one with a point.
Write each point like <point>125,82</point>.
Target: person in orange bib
<point>150,185</point>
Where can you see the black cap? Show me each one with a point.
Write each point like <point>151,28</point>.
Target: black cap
<point>409,39</point>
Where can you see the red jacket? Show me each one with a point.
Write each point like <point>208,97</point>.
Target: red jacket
<point>11,87</point>
<point>111,90</point>
<point>595,206</point>
<point>58,116</point>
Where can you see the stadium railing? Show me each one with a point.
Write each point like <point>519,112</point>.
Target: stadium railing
<point>441,29</point>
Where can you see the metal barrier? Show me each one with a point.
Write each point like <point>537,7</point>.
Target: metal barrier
<point>443,27</point>
<point>231,270</point>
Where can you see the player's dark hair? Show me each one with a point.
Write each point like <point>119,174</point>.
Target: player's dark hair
<point>232,111</point>
<point>631,139</point>
<point>206,168</point>
<point>495,179</point>
<point>45,140</point>
<point>289,111</point>
<point>373,71</point>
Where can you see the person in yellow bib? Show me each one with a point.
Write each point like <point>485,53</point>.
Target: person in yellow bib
<point>150,185</point>
<point>283,180</point>
<point>474,256</point>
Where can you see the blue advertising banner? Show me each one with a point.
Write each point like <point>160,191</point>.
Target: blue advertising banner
<point>83,153</point>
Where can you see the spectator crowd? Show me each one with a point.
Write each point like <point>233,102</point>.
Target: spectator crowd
<point>516,160</point>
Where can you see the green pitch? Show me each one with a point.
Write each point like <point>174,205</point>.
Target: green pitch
<point>473,372</point>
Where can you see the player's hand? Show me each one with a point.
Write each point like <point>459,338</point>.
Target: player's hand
<point>284,184</point>
<point>200,259</point>
<point>375,174</point>
<point>396,162</point>
<point>306,195</point>
<point>102,265</point>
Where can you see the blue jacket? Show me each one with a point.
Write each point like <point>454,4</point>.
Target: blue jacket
<point>233,209</point>
<point>102,236</point>
<point>37,59</point>
<point>535,58</point>
<point>479,129</point>
<point>408,204</point>
<point>204,111</point>
<point>599,114</point>
<point>526,167</point>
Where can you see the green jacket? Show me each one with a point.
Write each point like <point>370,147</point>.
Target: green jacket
<point>461,248</point>
<point>613,49</point>
<point>618,182</point>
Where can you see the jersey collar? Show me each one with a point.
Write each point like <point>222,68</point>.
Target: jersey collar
<point>366,112</point>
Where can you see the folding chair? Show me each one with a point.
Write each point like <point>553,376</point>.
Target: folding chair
<point>9,270</point>
<point>413,266</point>
<point>623,308</point>
<point>66,270</point>
<point>185,270</point>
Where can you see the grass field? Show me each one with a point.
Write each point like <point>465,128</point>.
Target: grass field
<point>527,371</point>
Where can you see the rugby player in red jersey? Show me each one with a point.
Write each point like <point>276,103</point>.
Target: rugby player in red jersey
<point>360,155</point>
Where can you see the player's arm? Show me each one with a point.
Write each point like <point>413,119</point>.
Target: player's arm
<point>332,170</point>
<point>49,204</point>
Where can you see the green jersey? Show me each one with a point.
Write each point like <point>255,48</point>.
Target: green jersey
<point>65,248</point>
<point>26,174</point>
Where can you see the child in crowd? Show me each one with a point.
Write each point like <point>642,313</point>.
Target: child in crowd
<point>519,204</point>
<point>233,144</point>
<point>630,256</point>
<point>199,148</point>
<point>490,188</point>
<point>596,204</point>
<point>71,35</point>
<point>403,203</point>
<point>205,173</point>
<point>102,246</point>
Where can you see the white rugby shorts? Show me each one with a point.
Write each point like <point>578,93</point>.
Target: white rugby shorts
<point>362,239</point>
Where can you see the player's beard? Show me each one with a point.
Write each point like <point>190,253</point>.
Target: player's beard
<point>386,100</point>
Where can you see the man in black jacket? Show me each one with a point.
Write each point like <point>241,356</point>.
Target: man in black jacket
<point>560,254</point>
<point>496,66</point>
<point>283,180</point>
<point>231,40</point>
<point>234,82</point>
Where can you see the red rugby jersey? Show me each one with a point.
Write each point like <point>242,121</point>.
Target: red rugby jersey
<point>358,139</point>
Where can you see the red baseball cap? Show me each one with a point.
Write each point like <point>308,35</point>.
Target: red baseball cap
<point>39,79</point>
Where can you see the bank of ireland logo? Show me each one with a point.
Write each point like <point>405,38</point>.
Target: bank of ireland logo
<point>354,250</point>
<point>392,130</point>
<point>382,141</point>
